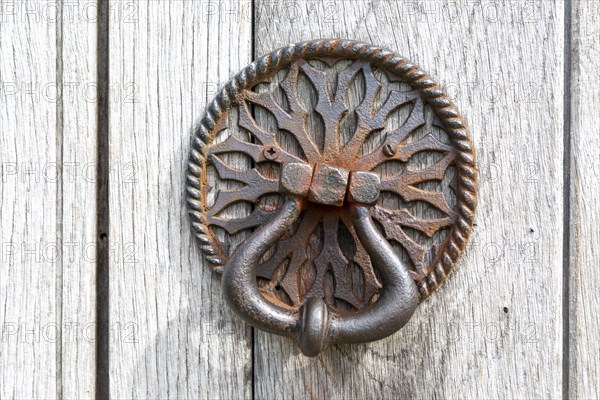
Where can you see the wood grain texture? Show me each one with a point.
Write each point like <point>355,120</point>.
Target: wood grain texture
<point>494,330</point>
<point>585,202</point>
<point>29,212</point>
<point>172,334</point>
<point>48,206</point>
<point>78,109</point>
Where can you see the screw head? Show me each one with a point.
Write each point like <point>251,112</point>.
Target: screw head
<point>390,149</point>
<point>270,153</point>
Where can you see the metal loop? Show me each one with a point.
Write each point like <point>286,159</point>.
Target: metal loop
<point>314,326</point>
<point>334,189</point>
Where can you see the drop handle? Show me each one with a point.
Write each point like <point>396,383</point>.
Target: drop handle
<point>354,181</point>
<point>313,326</point>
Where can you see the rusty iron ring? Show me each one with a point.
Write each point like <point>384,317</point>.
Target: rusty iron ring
<point>455,127</point>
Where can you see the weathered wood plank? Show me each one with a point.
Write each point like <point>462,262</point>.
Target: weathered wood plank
<point>173,336</point>
<point>496,325</point>
<point>48,211</point>
<point>585,202</point>
<point>29,212</point>
<point>79,129</point>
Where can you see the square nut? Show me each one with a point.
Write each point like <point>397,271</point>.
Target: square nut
<point>364,187</point>
<point>296,178</point>
<point>328,185</point>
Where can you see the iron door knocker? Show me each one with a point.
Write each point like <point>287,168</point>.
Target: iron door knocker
<point>333,185</point>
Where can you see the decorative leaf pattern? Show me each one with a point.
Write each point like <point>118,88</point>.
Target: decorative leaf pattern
<point>334,255</point>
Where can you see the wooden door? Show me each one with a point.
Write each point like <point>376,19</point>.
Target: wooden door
<point>103,292</point>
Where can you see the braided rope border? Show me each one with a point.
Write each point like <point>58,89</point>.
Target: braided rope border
<point>418,79</point>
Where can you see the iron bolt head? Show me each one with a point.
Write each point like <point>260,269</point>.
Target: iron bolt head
<point>296,178</point>
<point>328,185</point>
<point>364,187</point>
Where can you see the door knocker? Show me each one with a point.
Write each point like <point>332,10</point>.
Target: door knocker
<point>333,185</point>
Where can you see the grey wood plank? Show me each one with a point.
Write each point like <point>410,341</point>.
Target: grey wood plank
<point>48,202</point>
<point>78,110</point>
<point>173,335</point>
<point>585,202</point>
<point>494,330</point>
<point>29,212</point>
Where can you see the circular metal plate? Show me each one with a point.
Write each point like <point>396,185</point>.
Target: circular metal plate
<point>346,106</point>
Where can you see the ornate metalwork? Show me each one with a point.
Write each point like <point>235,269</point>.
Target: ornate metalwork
<point>332,138</point>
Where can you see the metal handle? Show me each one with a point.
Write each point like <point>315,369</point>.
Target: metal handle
<point>314,326</point>
<point>323,286</point>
